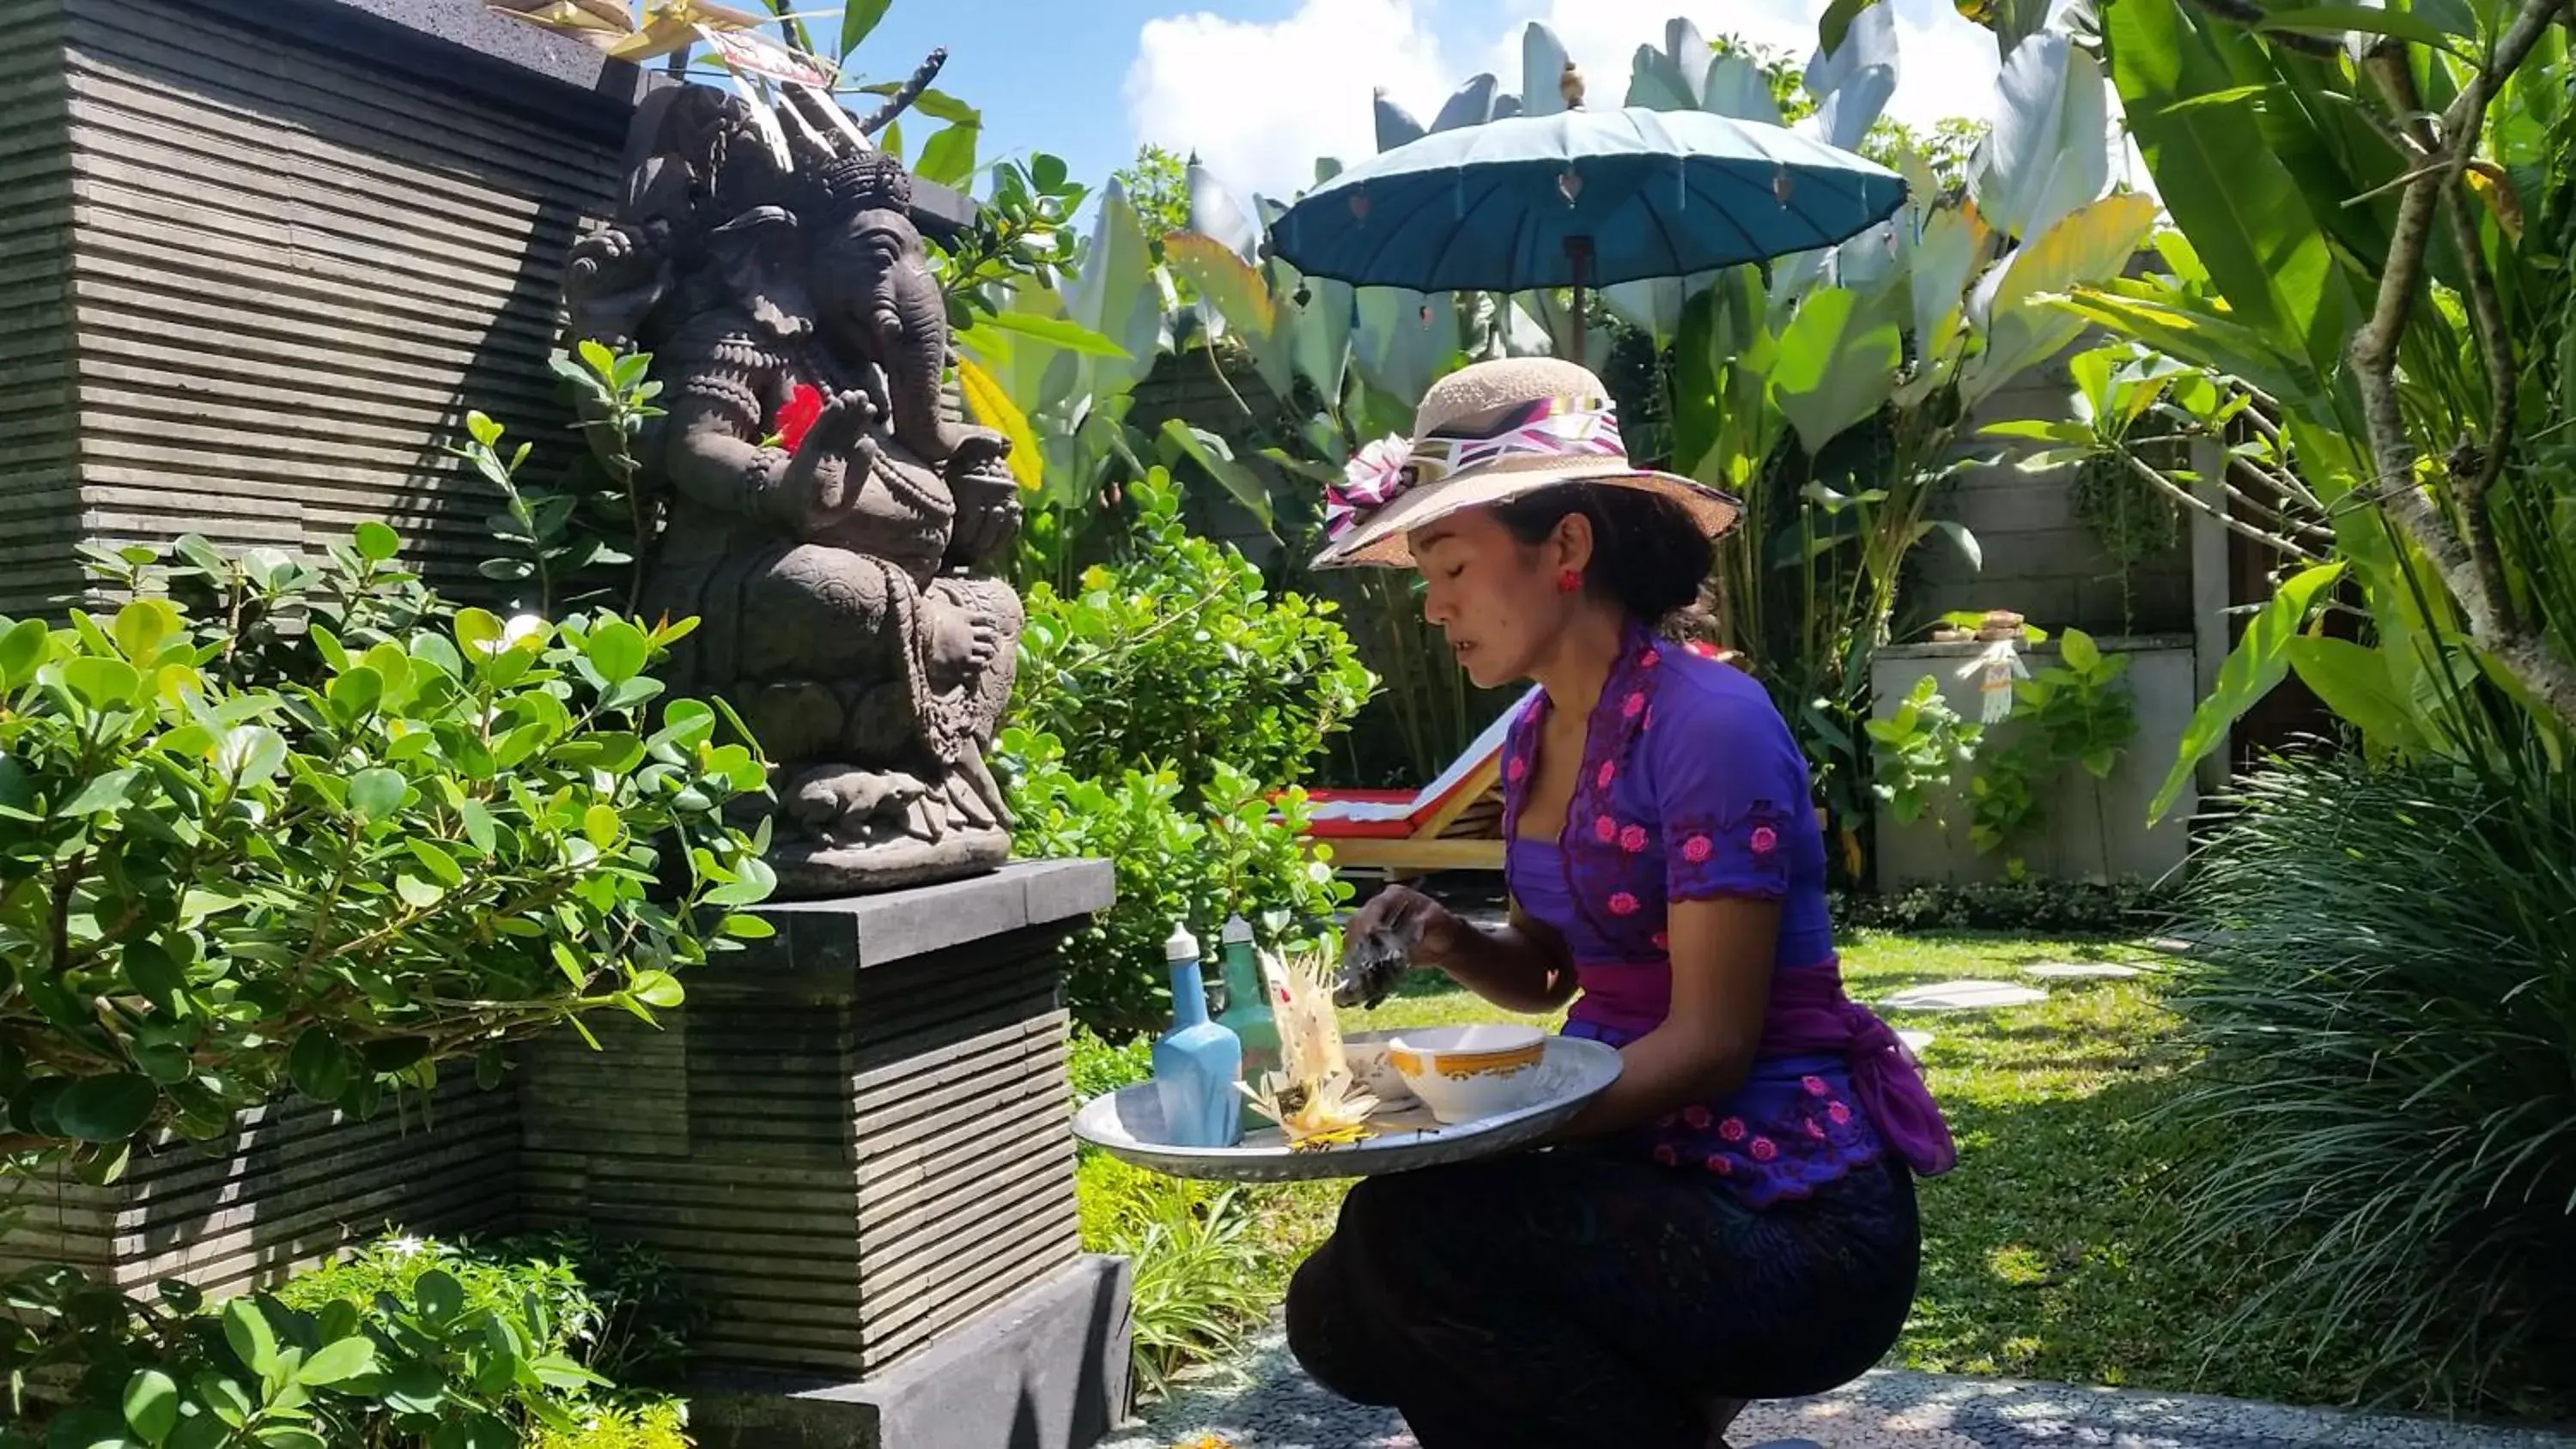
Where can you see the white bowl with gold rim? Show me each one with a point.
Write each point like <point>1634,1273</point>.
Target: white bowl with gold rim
<point>1465,1072</point>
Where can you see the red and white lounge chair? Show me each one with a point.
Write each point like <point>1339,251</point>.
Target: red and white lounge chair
<point>1453,823</point>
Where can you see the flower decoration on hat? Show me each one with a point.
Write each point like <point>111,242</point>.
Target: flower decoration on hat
<point>1374,479</point>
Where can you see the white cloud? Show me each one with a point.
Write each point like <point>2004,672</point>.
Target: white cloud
<point>1259,102</point>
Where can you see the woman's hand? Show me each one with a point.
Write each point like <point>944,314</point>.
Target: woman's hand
<point>1398,928</point>
<point>1428,929</point>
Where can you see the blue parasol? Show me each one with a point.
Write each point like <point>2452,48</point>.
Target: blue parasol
<point>1582,199</point>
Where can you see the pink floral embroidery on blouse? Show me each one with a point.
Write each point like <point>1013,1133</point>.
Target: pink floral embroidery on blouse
<point>1697,1116</point>
<point>1624,904</point>
<point>1732,1129</point>
<point>1719,1163</point>
<point>1764,1149</point>
<point>1664,1153</point>
<point>1633,839</point>
<point>1816,1129</point>
<point>1609,772</point>
<point>1517,770</point>
<point>1815,1086</point>
<point>1605,830</point>
<point>1649,659</point>
<point>1697,850</point>
<point>1663,941</point>
<point>1840,1113</point>
<point>1764,840</point>
<point>1634,706</point>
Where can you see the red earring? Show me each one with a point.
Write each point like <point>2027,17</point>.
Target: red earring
<point>1568,581</point>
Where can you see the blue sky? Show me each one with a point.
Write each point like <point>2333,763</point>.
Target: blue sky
<point>1261,87</point>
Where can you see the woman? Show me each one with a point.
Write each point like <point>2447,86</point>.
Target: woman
<point>1734,1218</point>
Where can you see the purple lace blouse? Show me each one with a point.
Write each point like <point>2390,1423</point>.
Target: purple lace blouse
<point>1692,788</point>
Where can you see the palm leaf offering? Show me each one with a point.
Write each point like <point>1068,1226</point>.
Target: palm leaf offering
<point>1313,1097</point>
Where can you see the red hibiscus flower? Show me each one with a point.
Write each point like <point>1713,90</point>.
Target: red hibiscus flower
<point>797,416</point>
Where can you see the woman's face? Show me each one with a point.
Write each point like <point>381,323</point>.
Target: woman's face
<point>1494,597</point>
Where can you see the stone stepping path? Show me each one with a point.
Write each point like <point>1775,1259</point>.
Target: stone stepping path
<point>2082,971</point>
<point>1963,996</point>
<point>1274,1406</point>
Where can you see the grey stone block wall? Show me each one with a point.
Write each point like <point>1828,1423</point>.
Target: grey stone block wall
<point>2092,828</point>
<point>293,1185</point>
<point>278,249</point>
<point>2039,558</point>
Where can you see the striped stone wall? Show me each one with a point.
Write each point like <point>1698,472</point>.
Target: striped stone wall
<point>311,235</point>
<point>39,487</point>
<point>289,1188</point>
<point>851,1139</point>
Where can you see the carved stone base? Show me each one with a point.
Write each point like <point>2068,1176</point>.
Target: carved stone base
<point>811,870</point>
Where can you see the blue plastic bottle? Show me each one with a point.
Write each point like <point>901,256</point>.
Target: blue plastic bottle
<point>1197,1062</point>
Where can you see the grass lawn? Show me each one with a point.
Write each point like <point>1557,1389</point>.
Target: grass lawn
<point>2039,1250</point>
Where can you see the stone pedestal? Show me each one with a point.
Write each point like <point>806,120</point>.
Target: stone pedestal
<point>853,1141</point>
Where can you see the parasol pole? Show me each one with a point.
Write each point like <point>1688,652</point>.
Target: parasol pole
<point>1578,250</point>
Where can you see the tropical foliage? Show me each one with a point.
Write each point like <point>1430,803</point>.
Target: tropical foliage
<point>236,859</point>
<point>411,1342</point>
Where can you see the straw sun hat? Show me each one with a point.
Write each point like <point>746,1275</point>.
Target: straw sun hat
<point>1484,435</point>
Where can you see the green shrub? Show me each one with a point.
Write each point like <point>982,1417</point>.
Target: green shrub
<point>236,857</point>
<point>2041,905</point>
<point>1099,1067</point>
<point>1174,863</point>
<point>662,1424</point>
<point>2386,1011</point>
<point>1200,1288</point>
<point>1182,658</point>
<point>409,1342</point>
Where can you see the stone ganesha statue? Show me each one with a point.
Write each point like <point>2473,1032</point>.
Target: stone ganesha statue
<point>828,517</point>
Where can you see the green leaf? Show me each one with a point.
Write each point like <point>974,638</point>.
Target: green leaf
<point>2259,662</point>
<point>152,1405</point>
<point>2354,681</point>
<point>601,826</point>
<point>155,973</point>
<point>376,542</point>
<point>1837,23</point>
<point>337,1363</point>
<point>106,792</point>
<point>376,793</point>
<point>318,1066</point>
<point>748,928</point>
<point>99,682</point>
<point>22,651</point>
<point>289,1436</point>
<point>479,826</point>
<point>1054,332</point>
<point>1833,370</point>
<point>949,158</point>
<point>1212,454</point>
<point>416,893</point>
<point>253,1339</point>
<point>107,1109</point>
<point>2079,651</point>
<point>479,631</point>
<point>617,650</point>
<point>659,989</point>
<point>356,693</point>
<point>250,754</point>
<point>993,408</point>
<point>859,21</point>
<point>2367,20</point>
<point>141,626</point>
<point>439,1295</point>
<point>442,867</point>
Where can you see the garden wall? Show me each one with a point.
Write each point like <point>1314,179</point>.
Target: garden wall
<point>2093,829</point>
<point>277,249</point>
